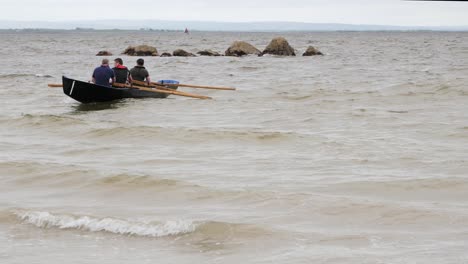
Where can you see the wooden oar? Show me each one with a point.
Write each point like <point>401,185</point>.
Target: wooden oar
<point>159,85</point>
<point>198,86</point>
<point>170,91</point>
<point>162,89</point>
<point>53,85</point>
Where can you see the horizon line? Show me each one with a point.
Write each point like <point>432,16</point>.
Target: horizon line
<point>234,22</point>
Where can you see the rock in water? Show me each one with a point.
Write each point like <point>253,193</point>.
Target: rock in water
<point>182,53</point>
<point>208,52</point>
<point>166,54</point>
<point>241,48</point>
<point>279,46</point>
<point>142,50</point>
<point>104,53</point>
<point>311,51</point>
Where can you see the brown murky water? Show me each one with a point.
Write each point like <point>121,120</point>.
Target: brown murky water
<point>359,156</point>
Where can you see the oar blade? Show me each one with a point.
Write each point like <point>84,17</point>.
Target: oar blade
<point>207,87</point>
<point>159,89</point>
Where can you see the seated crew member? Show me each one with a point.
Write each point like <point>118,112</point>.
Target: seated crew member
<point>140,73</point>
<point>104,75</point>
<point>122,74</point>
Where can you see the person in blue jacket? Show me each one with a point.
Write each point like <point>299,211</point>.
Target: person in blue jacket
<point>104,75</point>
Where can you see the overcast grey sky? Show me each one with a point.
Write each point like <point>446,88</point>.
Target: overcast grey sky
<point>383,12</point>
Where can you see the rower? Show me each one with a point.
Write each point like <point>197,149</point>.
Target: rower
<point>122,74</point>
<point>104,75</point>
<point>140,73</point>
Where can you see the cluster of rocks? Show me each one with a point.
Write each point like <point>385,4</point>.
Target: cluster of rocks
<point>278,46</point>
<point>104,53</point>
<point>142,50</point>
<point>183,53</point>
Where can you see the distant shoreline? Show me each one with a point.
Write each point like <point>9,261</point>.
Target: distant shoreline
<point>89,30</point>
<point>208,26</point>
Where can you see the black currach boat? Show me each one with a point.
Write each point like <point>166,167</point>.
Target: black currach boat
<point>86,93</point>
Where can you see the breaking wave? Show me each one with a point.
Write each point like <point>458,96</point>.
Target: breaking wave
<point>111,225</point>
<point>198,230</point>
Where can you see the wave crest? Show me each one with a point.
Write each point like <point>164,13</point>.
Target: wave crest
<point>110,225</point>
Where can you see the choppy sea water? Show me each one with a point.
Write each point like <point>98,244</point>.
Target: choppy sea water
<point>359,156</point>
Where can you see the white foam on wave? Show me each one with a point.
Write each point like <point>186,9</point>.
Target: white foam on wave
<point>111,225</point>
<point>43,75</point>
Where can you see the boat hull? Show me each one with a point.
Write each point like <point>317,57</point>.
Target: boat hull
<point>86,93</point>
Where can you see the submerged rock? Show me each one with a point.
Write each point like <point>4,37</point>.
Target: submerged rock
<point>182,53</point>
<point>166,54</point>
<point>142,50</point>
<point>241,48</point>
<point>279,46</point>
<point>311,51</point>
<point>208,52</point>
<point>104,53</point>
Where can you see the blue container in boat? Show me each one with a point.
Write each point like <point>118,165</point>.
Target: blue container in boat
<point>168,82</point>
<point>172,84</point>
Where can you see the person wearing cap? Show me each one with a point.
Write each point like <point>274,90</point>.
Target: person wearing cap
<point>122,74</point>
<point>140,73</point>
<point>104,75</point>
